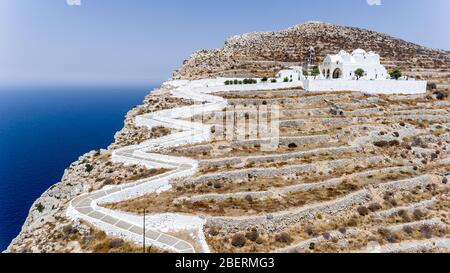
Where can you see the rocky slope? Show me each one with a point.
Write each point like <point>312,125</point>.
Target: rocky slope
<point>48,230</point>
<point>265,53</point>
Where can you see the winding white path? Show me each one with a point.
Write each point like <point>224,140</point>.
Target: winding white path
<point>129,226</point>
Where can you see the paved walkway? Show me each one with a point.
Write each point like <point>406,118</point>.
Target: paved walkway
<point>87,207</point>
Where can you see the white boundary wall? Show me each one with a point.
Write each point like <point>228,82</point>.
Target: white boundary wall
<point>366,86</point>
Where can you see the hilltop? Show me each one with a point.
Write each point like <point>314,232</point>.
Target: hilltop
<point>265,53</point>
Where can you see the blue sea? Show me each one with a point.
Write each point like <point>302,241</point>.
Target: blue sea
<point>43,130</point>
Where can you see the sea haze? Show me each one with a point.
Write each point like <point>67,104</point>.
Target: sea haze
<point>44,130</point>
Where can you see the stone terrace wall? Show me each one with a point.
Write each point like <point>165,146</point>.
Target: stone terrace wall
<point>371,87</point>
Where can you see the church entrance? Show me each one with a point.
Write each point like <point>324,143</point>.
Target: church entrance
<point>337,73</point>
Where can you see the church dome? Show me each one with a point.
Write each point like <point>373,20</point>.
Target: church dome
<point>359,51</point>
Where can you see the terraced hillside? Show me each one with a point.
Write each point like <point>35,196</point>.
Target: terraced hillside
<point>352,172</point>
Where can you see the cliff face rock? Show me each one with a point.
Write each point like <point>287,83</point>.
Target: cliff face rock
<point>43,230</point>
<point>264,53</point>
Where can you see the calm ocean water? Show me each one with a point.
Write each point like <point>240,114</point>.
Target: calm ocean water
<point>43,130</point>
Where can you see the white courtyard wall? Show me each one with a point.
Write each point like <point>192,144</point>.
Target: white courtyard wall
<point>367,86</point>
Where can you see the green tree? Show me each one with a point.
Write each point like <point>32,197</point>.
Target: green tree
<point>40,207</point>
<point>359,73</point>
<point>264,79</point>
<point>306,73</point>
<point>396,74</point>
<point>286,79</point>
<point>89,168</point>
<point>315,71</point>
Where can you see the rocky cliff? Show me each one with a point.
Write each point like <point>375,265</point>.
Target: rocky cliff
<point>47,228</point>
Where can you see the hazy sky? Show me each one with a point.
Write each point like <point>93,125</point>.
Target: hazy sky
<point>143,41</point>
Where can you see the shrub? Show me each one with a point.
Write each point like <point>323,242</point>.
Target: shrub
<point>389,198</point>
<point>252,235</point>
<point>213,231</point>
<point>311,231</point>
<point>418,214</point>
<point>250,81</point>
<point>396,74</point>
<point>235,82</point>
<point>40,207</point>
<point>89,168</point>
<point>386,144</point>
<point>249,198</point>
<point>264,79</point>
<point>430,187</point>
<point>408,229</point>
<point>273,80</point>
<point>404,215</point>
<point>292,146</point>
<point>238,240</point>
<point>286,79</point>
<point>69,229</point>
<point>217,184</point>
<point>359,73</point>
<point>392,238</point>
<point>108,181</point>
<point>116,243</point>
<point>388,235</point>
<point>102,247</point>
<point>440,95</point>
<point>363,211</point>
<point>227,82</point>
<point>374,207</point>
<point>284,238</point>
<point>426,231</point>
<point>100,235</point>
<point>431,86</point>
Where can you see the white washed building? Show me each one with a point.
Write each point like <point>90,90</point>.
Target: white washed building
<point>343,66</point>
<point>294,74</point>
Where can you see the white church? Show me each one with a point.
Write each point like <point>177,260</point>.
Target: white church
<point>343,66</point>
<point>337,73</point>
